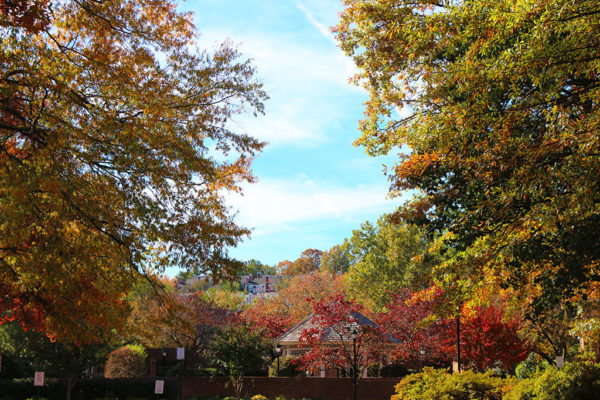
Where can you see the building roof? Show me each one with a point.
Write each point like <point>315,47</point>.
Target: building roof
<point>292,336</point>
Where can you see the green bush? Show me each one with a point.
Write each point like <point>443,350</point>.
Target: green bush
<point>286,367</point>
<point>239,350</point>
<point>530,366</point>
<point>126,362</point>
<point>432,384</point>
<point>576,381</point>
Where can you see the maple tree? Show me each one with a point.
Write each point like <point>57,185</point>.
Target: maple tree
<point>115,152</point>
<point>488,338</point>
<point>493,107</point>
<point>330,337</point>
<point>423,342</point>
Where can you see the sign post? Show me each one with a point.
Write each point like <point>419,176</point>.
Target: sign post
<point>159,386</point>
<point>38,381</point>
<point>180,358</point>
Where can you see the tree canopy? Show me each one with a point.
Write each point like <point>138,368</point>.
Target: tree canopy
<point>115,150</point>
<point>386,257</point>
<point>493,107</point>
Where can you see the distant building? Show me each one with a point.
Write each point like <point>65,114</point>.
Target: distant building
<point>194,283</point>
<point>260,283</point>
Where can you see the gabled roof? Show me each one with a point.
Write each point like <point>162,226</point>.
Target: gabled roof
<point>294,333</point>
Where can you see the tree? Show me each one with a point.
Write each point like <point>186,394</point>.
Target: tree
<point>32,15</point>
<point>499,138</point>
<point>422,341</point>
<point>330,338</point>
<point>490,340</point>
<point>252,267</point>
<point>112,136</point>
<point>293,302</point>
<point>335,260</point>
<point>309,260</point>
<point>35,352</point>
<point>238,350</point>
<point>386,257</point>
<point>189,321</point>
<point>498,132</point>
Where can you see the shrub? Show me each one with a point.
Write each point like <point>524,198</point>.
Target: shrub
<point>126,362</point>
<point>576,381</point>
<point>238,350</point>
<point>394,371</point>
<point>86,389</point>
<point>530,366</point>
<point>20,389</point>
<point>432,384</point>
<point>287,367</point>
<point>258,397</point>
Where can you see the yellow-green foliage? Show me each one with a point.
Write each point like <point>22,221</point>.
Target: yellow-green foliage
<point>432,384</point>
<point>577,381</point>
<point>258,397</point>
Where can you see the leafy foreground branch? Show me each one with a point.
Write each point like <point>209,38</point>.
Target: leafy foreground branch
<point>115,150</point>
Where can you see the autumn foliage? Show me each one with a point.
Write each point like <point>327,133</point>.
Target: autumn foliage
<point>109,130</point>
<point>488,339</point>
<point>293,302</point>
<point>422,341</point>
<point>126,362</point>
<point>179,320</point>
<point>497,129</point>
<point>330,336</point>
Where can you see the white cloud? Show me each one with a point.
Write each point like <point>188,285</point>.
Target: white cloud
<point>300,81</point>
<point>273,205</point>
<point>321,27</point>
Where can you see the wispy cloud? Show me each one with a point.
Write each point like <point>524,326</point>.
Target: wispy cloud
<point>321,27</point>
<point>273,205</point>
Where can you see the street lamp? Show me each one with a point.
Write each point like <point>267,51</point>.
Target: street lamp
<point>354,376</point>
<point>422,358</point>
<point>278,351</point>
<point>164,357</point>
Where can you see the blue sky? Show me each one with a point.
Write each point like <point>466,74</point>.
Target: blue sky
<point>314,187</point>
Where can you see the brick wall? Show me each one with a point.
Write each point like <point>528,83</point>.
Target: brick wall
<point>296,388</point>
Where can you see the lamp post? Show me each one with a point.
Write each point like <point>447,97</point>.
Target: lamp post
<point>354,367</point>
<point>164,358</point>
<point>458,342</point>
<point>422,358</point>
<point>278,351</point>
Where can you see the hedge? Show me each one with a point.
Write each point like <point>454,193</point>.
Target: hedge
<point>88,389</point>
